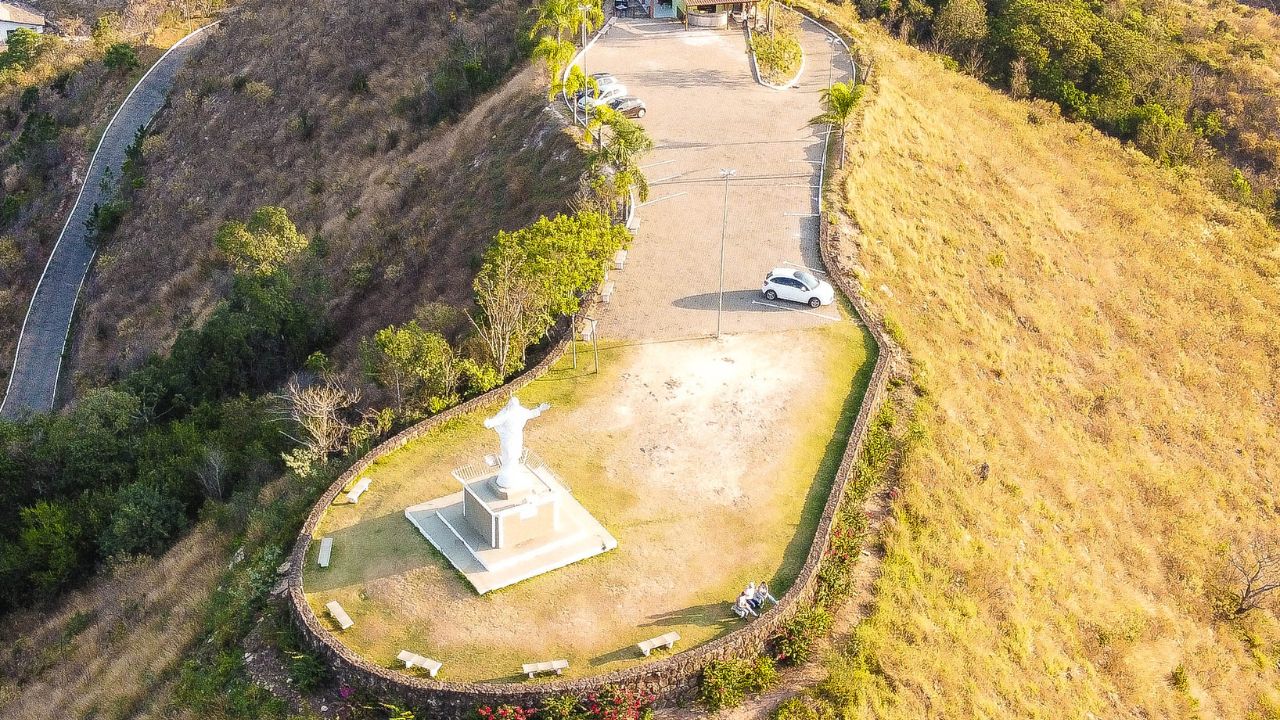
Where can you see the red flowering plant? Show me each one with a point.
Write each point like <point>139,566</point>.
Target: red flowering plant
<point>505,712</point>
<point>610,703</point>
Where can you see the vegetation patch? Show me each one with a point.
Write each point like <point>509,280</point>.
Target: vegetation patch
<point>777,49</point>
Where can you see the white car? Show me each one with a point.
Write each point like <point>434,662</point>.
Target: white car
<point>797,285</point>
<point>604,96</point>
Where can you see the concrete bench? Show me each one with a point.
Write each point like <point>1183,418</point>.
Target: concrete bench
<point>411,659</point>
<point>606,292</point>
<point>668,640</point>
<point>556,666</point>
<point>344,620</point>
<point>326,549</point>
<point>357,490</point>
<point>619,259</point>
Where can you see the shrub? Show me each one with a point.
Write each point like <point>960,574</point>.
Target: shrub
<point>611,703</point>
<point>505,712</point>
<point>778,55</point>
<point>264,244</point>
<point>725,683</point>
<point>306,672</point>
<point>146,519</point>
<point>794,709</point>
<point>794,642</point>
<point>121,58</point>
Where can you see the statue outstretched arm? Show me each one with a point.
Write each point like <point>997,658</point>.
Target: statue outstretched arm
<point>539,410</point>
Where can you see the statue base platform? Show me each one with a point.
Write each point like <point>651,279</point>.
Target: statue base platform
<point>495,539</point>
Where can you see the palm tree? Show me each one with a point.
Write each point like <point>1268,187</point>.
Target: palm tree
<point>556,54</point>
<point>628,142</point>
<point>840,99</point>
<point>556,15</point>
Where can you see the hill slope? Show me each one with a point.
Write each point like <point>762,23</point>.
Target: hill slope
<point>53,108</point>
<point>1100,333</point>
<point>355,119</point>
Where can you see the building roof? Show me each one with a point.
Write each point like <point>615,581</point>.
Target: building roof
<point>9,12</point>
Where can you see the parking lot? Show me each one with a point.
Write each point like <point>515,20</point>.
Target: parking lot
<point>706,113</point>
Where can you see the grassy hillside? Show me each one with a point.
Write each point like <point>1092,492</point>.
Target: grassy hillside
<point>354,119</point>
<point>112,650</point>
<point>1189,82</point>
<point>1099,332</point>
<point>54,103</point>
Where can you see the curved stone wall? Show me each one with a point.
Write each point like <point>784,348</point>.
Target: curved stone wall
<point>673,679</point>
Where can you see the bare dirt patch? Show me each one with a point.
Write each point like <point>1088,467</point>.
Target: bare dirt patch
<point>708,460</point>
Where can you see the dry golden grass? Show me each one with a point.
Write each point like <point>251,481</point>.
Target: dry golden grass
<point>88,100</point>
<point>295,104</point>
<point>111,650</point>
<point>1103,333</point>
<point>708,460</point>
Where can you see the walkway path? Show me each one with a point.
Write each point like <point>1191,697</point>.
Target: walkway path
<point>33,383</point>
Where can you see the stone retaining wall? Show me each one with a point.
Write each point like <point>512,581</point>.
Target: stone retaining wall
<point>674,679</point>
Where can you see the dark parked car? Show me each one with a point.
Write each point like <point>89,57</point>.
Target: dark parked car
<point>629,105</point>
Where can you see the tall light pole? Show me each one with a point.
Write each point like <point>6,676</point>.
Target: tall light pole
<point>595,343</point>
<point>725,173</point>
<point>831,59</point>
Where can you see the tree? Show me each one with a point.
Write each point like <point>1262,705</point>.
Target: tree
<point>556,54</point>
<point>120,57</point>
<point>556,20</point>
<point>24,48</point>
<point>1256,568</point>
<point>145,521</point>
<point>267,242</point>
<point>317,408</point>
<point>419,367</point>
<point>620,155</point>
<point>46,550</point>
<point>512,314</point>
<point>212,472</point>
<point>839,100</point>
<point>961,27</point>
<point>536,274</point>
<point>107,30</point>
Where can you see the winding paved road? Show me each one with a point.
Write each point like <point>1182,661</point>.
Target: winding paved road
<point>33,383</point>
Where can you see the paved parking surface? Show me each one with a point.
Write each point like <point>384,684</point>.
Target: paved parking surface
<point>707,113</point>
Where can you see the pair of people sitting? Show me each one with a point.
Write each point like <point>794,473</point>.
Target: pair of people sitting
<point>751,601</point>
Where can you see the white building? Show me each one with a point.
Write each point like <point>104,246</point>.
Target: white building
<point>14,16</point>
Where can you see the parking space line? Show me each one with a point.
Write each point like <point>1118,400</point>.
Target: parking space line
<point>663,162</point>
<point>809,214</point>
<point>664,197</point>
<point>804,267</point>
<point>806,312</point>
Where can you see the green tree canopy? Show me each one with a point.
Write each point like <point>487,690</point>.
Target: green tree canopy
<point>418,367</point>
<point>263,245</point>
<point>24,48</point>
<point>120,57</point>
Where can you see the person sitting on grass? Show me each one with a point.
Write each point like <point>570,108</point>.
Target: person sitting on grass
<point>742,608</point>
<point>762,594</point>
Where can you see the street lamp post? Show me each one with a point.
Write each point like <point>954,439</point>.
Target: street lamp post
<point>595,345</point>
<point>831,59</point>
<point>725,173</point>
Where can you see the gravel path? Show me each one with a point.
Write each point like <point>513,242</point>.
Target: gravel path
<point>33,383</point>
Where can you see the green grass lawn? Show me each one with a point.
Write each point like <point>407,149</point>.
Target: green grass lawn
<point>708,460</point>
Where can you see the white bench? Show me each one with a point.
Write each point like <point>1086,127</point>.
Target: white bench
<point>668,640</point>
<point>344,620</point>
<point>357,490</point>
<point>411,659</point>
<point>619,259</point>
<point>326,549</point>
<point>606,293</point>
<point>556,666</point>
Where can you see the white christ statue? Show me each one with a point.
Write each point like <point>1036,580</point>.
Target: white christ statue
<point>509,424</point>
